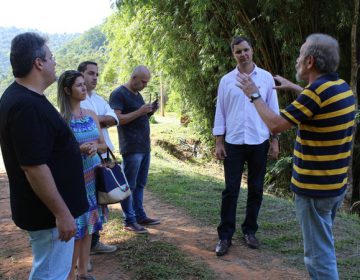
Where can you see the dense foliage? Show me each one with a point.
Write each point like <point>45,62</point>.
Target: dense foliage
<point>186,43</point>
<point>186,46</point>
<point>90,45</point>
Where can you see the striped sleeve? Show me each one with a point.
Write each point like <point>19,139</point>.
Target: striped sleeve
<point>303,108</point>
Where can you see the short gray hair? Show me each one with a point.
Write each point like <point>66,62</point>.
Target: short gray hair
<point>325,49</point>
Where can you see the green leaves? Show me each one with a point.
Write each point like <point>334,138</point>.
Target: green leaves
<point>188,42</point>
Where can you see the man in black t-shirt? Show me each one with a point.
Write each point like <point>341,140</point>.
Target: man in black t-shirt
<point>134,140</point>
<point>42,160</point>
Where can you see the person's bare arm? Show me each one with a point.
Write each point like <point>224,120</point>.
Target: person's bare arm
<point>100,145</point>
<point>220,152</point>
<point>43,184</point>
<point>274,148</point>
<point>274,122</point>
<point>129,117</point>
<point>106,121</point>
<point>285,84</point>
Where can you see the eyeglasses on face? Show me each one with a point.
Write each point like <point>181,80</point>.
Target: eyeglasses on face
<point>51,58</point>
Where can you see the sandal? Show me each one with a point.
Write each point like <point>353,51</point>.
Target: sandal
<point>85,277</point>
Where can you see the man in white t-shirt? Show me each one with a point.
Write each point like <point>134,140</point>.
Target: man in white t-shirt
<point>107,118</point>
<point>95,102</point>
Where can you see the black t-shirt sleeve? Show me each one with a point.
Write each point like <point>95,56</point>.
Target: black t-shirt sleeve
<point>32,136</point>
<point>117,100</point>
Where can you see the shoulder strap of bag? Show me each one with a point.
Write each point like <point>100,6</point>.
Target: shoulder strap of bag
<point>108,154</point>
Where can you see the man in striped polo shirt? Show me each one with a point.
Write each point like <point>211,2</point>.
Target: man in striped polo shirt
<point>324,112</point>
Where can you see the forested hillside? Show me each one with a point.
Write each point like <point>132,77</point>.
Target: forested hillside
<point>90,45</point>
<point>56,41</point>
<point>69,51</point>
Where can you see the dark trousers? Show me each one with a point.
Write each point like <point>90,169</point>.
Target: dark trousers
<point>255,156</point>
<point>95,239</point>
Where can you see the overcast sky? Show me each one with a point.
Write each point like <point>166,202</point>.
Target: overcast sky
<point>49,16</point>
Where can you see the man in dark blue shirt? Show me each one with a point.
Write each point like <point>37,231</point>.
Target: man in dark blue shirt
<point>134,139</point>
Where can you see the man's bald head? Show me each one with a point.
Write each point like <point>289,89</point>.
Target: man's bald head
<point>139,78</point>
<point>140,70</point>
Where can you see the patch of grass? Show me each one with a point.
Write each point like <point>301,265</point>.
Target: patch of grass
<point>346,267</point>
<point>159,260</point>
<point>147,259</point>
<point>9,252</point>
<point>195,186</point>
<point>198,192</point>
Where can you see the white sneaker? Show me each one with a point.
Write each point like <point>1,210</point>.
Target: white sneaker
<point>89,266</point>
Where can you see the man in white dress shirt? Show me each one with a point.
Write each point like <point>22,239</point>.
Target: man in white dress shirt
<point>241,136</point>
<point>107,118</point>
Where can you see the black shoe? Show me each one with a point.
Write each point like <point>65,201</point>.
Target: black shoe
<point>136,228</point>
<point>251,241</point>
<point>222,247</point>
<point>148,222</point>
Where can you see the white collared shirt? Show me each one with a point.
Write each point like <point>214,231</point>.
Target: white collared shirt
<point>236,117</point>
<point>101,108</point>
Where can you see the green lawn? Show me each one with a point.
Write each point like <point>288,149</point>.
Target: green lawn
<point>195,184</point>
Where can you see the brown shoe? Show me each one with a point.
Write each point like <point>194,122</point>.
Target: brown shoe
<point>251,241</point>
<point>222,247</point>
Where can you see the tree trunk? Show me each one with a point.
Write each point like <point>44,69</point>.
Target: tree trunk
<point>354,61</point>
<point>162,100</point>
<point>354,190</point>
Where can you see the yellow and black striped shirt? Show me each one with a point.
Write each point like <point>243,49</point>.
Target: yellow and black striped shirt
<point>324,113</point>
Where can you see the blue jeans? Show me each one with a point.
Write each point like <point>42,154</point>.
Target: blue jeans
<point>52,258</point>
<point>316,217</point>
<point>136,169</point>
<point>237,155</point>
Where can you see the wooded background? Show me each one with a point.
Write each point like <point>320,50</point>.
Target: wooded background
<point>186,45</point>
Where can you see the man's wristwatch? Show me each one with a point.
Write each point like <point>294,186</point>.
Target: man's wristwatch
<point>254,96</point>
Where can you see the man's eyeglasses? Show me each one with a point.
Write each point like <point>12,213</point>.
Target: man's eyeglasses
<point>52,58</point>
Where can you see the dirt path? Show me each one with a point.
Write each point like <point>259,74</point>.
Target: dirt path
<point>15,251</point>
<point>199,242</point>
<point>176,227</point>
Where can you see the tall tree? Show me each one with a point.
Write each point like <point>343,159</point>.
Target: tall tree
<point>354,183</point>
<point>354,57</point>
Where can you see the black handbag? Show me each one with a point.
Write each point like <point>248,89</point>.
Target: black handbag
<point>111,183</point>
